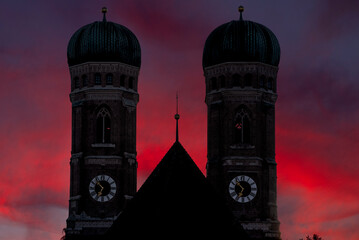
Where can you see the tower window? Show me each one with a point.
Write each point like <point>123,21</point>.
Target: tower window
<point>214,83</point>
<point>77,82</point>
<point>236,80</point>
<point>222,81</point>
<point>84,80</point>
<point>262,79</point>
<point>130,83</point>
<point>122,80</point>
<point>97,79</point>
<point>103,126</point>
<point>109,79</point>
<point>248,80</point>
<point>242,127</point>
<point>270,84</point>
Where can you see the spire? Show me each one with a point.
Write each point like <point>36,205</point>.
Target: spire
<point>104,11</point>
<point>240,10</point>
<point>177,116</point>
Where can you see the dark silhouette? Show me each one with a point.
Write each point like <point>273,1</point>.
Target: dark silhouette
<point>315,237</point>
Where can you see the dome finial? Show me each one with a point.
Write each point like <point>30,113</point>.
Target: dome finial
<point>104,11</point>
<point>240,10</point>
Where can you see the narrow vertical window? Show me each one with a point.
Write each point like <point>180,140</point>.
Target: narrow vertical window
<point>97,79</point>
<point>222,81</point>
<point>84,80</point>
<point>242,127</point>
<point>248,80</point>
<point>130,83</point>
<point>270,84</point>
<point>262,79</point>
<point>77,82</point>
<point>236,80</point>
<point>103,126</point>
<point>109,79</point>
<point>107,129</point>
<point>214,83</point>
<point>122,80</point>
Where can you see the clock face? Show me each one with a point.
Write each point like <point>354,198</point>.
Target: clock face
<point>102,188</point>
<point>243,189</point>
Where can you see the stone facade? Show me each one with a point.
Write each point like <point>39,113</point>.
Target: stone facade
<point>104,99</point>
<point>241,127</point>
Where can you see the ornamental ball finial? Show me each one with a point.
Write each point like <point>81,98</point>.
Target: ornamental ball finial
<point>240,10</point>
<point>104,11</point>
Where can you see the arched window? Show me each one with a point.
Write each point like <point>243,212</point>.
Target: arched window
<point>262,79</point>
<point>236,78</point>
<point>242,127</point>
<point>109,79</point>
<point>248,80</point>
<point>97,79</point>
<point>214,83</point>
<point>270,84</point>
<point>130,82</point>
<point>84,80</point>
<point>222,81</point>
<point>103,126</point>
<point>122,80</point>
<point>77,82</point>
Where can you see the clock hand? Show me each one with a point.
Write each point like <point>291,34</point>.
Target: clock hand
<point>239,184</point>
<point>242,189</point>
<point>100,192</point>
<point>98,183</point>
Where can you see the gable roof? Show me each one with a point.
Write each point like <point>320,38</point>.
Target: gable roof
<point>176,198</point>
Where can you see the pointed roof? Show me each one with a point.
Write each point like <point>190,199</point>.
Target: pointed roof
<point>175,199</point>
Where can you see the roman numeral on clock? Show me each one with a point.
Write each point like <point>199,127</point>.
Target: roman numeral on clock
<point>242,189</point>
<point>102,188</point>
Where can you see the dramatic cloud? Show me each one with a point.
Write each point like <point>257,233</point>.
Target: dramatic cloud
<point>317,116</point>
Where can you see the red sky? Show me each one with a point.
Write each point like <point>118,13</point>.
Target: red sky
<point>317,112</point>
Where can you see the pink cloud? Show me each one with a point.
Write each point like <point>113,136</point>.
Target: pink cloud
<point>317,133</point>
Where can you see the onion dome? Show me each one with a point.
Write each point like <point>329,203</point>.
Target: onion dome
<point>241,41</point>
<point>104,41</point>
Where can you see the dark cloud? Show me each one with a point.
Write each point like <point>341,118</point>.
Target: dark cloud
<point>337,18</point>
<point>317,116</point>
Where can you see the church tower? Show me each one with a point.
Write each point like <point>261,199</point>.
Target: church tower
<point>240,62</point>
<point>104,60</point>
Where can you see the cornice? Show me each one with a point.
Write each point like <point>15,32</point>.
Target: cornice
<point>241,68</point>
<point>101,67</point>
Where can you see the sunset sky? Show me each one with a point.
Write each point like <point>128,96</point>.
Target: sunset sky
<point>317,112</point>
